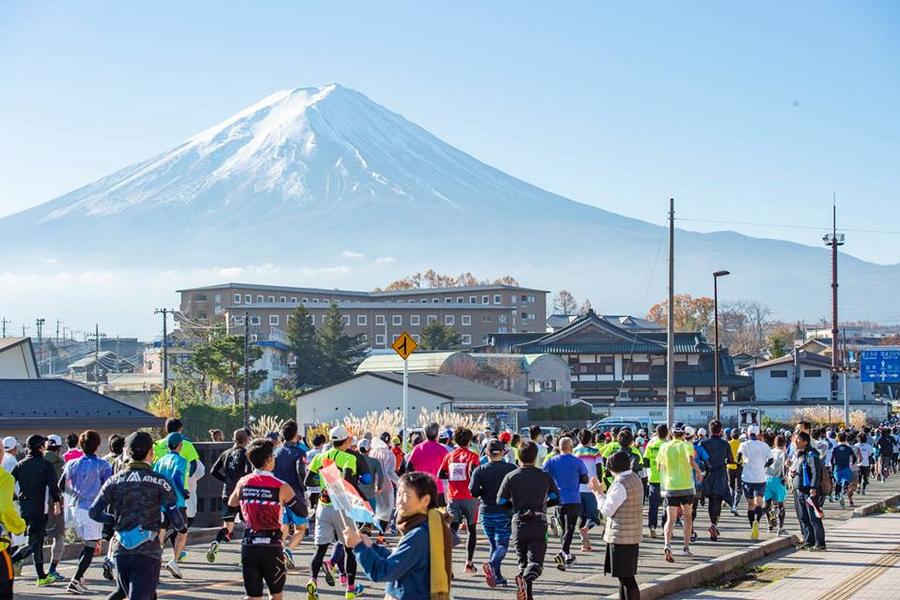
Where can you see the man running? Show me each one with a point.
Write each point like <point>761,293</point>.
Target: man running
<point>261,496</point>
<point>174,466</point>
<point>495,519</point>
<point>775,488</point>
<point>229,468</point>
<point>133,501</point>
<point>428,457</point>
<point>651,453</point>
<point>587,452</point>
<point>56,523</point>
<point>842,460</point>
<point>37,483</point>
<point>678,470</point>
<point>735,470</point>
<point>570,474</point>
<point>290,467</point>
<point>329,524</point>
<point>529,491</point>
<point>82,478</point>
<point>715,482</point>
<point>753,454</point>
<point>457,468</point>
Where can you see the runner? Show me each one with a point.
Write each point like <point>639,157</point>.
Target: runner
<point>261,496</point>
<point>312,485</point>
<point>529,490</point>
<point>384,503</point>
<point>10,450</point>
<point>56,523</point>
<point>537,436</point>
<point>715,481</point>
<point>587,452</point>
<point>457,469</point>
<point>73,451</point>
<point>678,471</point>
<point>174,466</point>
<point>735,470</point>
<point>37,483</point>
<point>775,490</point>
<point>290,467</point>
<point>229,468</point>
<point>495,519</point>
<point>651,453</point>
<point>83,477</point>
<point>133,500</point>
<point>753,455</point>
<point>842,459</point>
<point>10,524</point>
<point>427,457</point>
<point>569,473</point>
<point>329,524</point>
<point>866,452</point>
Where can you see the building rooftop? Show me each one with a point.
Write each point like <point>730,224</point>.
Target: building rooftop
<point>373,294</point>
<point>371,306</point>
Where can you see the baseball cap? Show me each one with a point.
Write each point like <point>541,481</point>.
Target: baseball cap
<point>139,441</point>
<point>339,433</point>
<point>701,431</point>
<point>273,436</point>
<point>173,439</point>
<point>505,437</point>
<point>753,430</point>
<point>678,427</point>
<point>35,440</point>
<point>494,445</point>
<point>9,442</point>
<point>689,431</point>
<point>364,445</point>
<point>395,440</point>
<point>54,441</point>
<point>446,434</point>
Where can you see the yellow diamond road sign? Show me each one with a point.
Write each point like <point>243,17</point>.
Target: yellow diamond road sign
<point>404,345</point>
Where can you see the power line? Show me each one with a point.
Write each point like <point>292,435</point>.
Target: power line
<point>783,226</point>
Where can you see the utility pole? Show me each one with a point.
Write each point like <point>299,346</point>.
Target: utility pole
<point>4,321</point>
<point>670,326</point>
<point>23,331</point>
<point>96,338</point>
<point>247,369</point>
<point>40,330</point>
<point>718,394</point>
<point>834,240</point>
<point>58,322</point>
<point>165,352</point>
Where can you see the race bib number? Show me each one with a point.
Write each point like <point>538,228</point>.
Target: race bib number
<point>458,471</point>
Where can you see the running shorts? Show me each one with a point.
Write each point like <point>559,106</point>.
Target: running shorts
<point>751,490</point>
<point>263,564</point>
<point>464,510</point>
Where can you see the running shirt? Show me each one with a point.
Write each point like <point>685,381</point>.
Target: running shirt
<point>188,451</point>
<point>261,508</point>
<point>290,466</point>
<point>590,456</point>
<point>458,466</point>
<point>842,456</point>
<point>776,469</point>
<point>427,457</point>
<point>174,466</point>
<point>567,472</point>
<point>755,454</point>
<point>344,462</point>
<point>230,467</point>
<point>84,477</point>
<point>865,452</point>
<point>735,444</point>
<point>676,473</point>
<point>651,452</point>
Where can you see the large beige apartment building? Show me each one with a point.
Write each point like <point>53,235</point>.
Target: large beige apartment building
<point>475,312</point>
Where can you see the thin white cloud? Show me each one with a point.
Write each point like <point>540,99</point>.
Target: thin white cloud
<point>352,254</point>
<point>384,260</point>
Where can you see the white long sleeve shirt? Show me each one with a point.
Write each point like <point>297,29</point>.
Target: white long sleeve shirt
<point>615,496</point>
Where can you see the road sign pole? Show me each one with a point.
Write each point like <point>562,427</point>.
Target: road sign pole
<point>405,403</point>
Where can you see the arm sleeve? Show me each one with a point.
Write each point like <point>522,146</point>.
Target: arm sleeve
<point>552,493</point>
<point>475,484</point>
<point>397,564</point>
<point>503,494</point>
<point>218,466</point>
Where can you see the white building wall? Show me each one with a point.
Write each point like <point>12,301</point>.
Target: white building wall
<point>14,364</point>
<point>359,396</point>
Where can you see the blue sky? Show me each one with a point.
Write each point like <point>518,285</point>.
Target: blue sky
<point>745,114</point>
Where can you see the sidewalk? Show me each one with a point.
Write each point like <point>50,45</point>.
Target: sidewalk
<point>862,561</point>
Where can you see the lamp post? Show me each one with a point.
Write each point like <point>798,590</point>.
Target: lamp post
<point>716,276</point>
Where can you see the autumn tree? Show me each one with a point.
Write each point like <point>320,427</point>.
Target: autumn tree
<point>564,303</point>
<point>585,307</point>
<point>743,325</point>
<point>780,341</point>
<point>691,314</point>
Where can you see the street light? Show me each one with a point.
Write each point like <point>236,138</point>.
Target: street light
<point>716,276</point>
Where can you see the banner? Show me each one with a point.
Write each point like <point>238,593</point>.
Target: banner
<point>344,496</point>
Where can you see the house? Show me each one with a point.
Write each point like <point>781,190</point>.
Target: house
<point>742,360</point>
<point>623,371</point>
<point>377,391</point>
<point>17,359</point>
<point>59,406</point>
<point>275,360</point>
<point>98,366</point>
<point>543,378</point>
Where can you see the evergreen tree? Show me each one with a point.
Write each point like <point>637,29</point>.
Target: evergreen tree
<point>304,345</point>
<point>341,353</point>
<point>436,336</point>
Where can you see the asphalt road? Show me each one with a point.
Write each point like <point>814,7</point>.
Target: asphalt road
<point>584,580</point>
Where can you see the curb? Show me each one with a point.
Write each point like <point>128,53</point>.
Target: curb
<point>712,569</point>
<point>874,507</point>
<point>195,536</point>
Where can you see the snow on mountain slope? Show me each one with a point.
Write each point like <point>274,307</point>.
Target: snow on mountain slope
<point>304,174</point>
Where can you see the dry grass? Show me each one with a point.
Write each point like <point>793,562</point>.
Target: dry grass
<point>391,421</point>
<point>264,425</point>
<point>824,415</point>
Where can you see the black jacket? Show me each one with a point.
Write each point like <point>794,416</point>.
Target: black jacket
<point>35,476</point>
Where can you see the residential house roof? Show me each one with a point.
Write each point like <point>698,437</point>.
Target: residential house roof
<point>804,358</point>
<point>373,294</point>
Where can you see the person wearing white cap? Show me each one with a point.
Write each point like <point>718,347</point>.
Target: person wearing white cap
<point>753,454</point>
<point>10,447</point>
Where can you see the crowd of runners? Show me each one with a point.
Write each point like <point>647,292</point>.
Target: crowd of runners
<point>527,494</point>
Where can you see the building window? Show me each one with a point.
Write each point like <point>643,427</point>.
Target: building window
<point>315,300</point>
<point>524,298</point>
<point>513,298</point>
<point>778,373</point>
<point>460,300</point>
<point>485,319</point>
<point>248,299</point>
<point>273,319</point>
<point>466,320</point>
<point>485,299</point>
<point>466,339</point>
<point>449,320</point>
<point>293,300</point>
<point>448,300</point>
<point>414,320</point>
<point>525,316</point>
<point>496,298</point>
<point>436,300</point>
<point>379,319</point>
<point>362,320</point>
<point>271,299</point>
<point>473,299</point>
<point>396,319</point>
<point>254,320</point>
<point>282,299</point>
<point>379,339</point>
<point>304,300</point>
<point>345,319</point>
<point>532,316</point>
<point>531,298</point>
<point>416,338</point>
<point>238,320</point>
<point>812,372</point>
<point>237,299</point>
<point>260,298</point>
<point>432,319</point>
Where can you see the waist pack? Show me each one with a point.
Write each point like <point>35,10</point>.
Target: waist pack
<point>134,537</point>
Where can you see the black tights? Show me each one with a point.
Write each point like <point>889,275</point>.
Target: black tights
<point>84,561</point>
<point>628,589</point>
<point>471,539</point>
<point>349,563</point>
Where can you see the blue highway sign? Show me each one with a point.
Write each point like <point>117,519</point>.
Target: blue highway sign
<point>880,366</point>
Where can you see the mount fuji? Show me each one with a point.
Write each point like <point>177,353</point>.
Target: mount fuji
<point>302,176</point>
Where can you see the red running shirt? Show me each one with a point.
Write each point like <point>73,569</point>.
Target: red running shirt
<point>260,505</point>
<point>459,465</point>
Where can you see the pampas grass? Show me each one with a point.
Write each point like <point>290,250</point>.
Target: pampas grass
<point>391,421</point>
<point>823,415</point>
